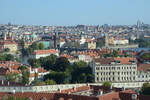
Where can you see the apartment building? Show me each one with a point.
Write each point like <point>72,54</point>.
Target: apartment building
<point>114,69</point>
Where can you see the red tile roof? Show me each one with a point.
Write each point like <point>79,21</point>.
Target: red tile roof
<point>40,52</point>
<point>123,60</point>
<point>143,67</point>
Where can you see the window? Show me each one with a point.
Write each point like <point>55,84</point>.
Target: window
<point>113,73</point>
<point>113,78</point>
<point>97,79</point>
<point>109,79</point>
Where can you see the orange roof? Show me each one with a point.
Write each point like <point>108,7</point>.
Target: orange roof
<point>143,67</point>
<point>40,52</point>
<point>123,60</point>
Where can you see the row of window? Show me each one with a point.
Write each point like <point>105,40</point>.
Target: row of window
<point>113,79</point>
<point>113,73</point>
<point>114,68</point>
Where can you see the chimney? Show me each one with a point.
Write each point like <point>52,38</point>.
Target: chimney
<point>8,83</point>
<point>74,88</point>
<point>36,70</point>
<point>100,92</point>
<point>111,87</point>
<point>123,88</point>
<point>14,91</point>
<point>59,90</point>
<point>22,91</point>
<point>134,96</point>
<point>2,82</point>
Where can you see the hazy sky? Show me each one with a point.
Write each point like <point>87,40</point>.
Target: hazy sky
<point>73,12</point>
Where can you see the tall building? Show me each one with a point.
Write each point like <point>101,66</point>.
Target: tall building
<point>139,23</point>
<point>56,41</point>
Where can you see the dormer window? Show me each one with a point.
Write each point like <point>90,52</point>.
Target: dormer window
<point>117,61</point>
<point>132,61</point>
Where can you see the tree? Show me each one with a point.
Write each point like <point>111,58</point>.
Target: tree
<point>76,45</point>
<point>145,89</point>
<point>50,82</point>
<point>81,73</point>
<point>146,56</point>
<point>34,62</point>
<point>62,64</point>
<point>25,77</point>
<point>58,77</point>
<point>41,46</point>
<point>107,84</point>
<point>36,80</point>
<point>48,62</point>
<point>34,46</point>
<point>12,77</point>
<point>99,43</point>
<point>22,68</point>
<point>115,53</point>
<point>6,49</point>
<point>9,57</point>
<point>13,98</point>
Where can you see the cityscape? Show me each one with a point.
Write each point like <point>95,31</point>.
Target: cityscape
<point>76,61</point>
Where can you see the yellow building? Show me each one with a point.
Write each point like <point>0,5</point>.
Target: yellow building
<point>90,45</point>
<point>13,46</point>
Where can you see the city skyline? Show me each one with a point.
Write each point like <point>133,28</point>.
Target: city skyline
<point>66,12</point>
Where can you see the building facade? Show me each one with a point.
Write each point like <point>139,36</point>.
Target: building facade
<point>114,69</point>
<point>43,53</point>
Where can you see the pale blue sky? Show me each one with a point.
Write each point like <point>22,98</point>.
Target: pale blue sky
<point>73,12</point>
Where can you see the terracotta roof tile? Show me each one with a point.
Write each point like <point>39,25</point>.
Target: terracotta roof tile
<point>40,52</point>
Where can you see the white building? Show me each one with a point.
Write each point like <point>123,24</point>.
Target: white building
<point>44,53</point>
<point>41,72</point>
<point>114,69</point>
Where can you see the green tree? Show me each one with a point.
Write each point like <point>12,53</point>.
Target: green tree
<point>100,43</point>
<point>50,82</point>
<point>62,64</point>
<point>107,84</point>
<point>41,46</point>
<point>22,68</point>
<point>12,77</point>
<point>36,80</point>
<point>58,77</point>
<point>6,49</point>
<point>115,53</point>
<point>81,73</point>
<point>35,46</point>
<point>76,45</point>
<point>48,62</point>
<point>146,56</point>
<point>13,98</point>
<point>145,89</point>
<point>25,77</point>
<point>34,62</point>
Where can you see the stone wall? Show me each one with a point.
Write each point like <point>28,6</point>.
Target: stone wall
<point>53,88</point>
